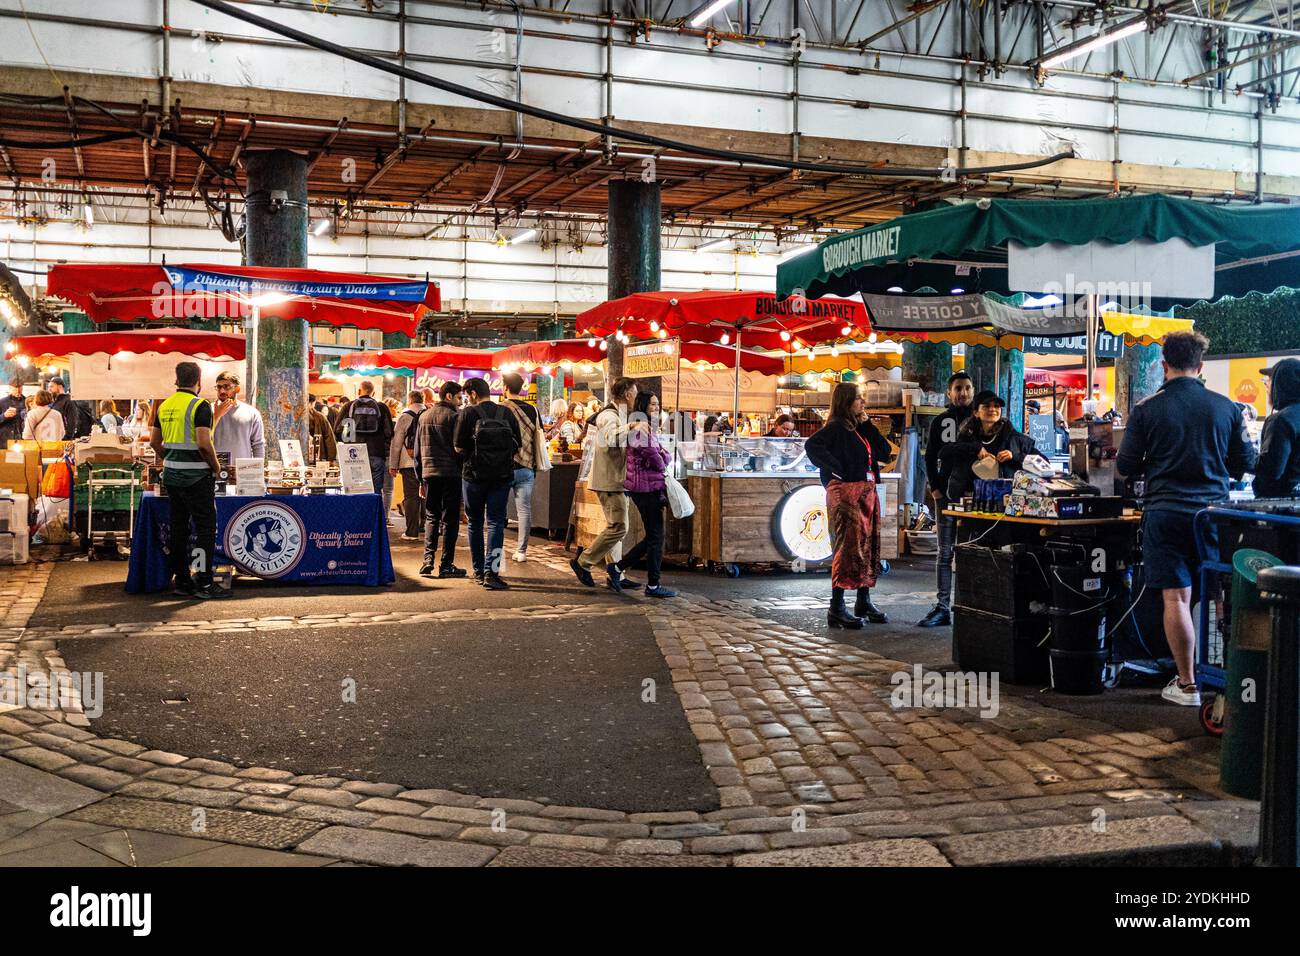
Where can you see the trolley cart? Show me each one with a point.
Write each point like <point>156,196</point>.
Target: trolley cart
<point>114,489</point>
<point>1214,617</point>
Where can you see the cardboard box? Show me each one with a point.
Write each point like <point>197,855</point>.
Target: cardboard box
<point>20,469</point>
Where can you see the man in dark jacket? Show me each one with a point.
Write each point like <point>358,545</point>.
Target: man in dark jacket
<point>943,432</point>
<point>440,469</point>
<point>486,438</point>
<point>366,421</point>
<point>1277,474</point>
<point>13,412</point>
<point>75,418</point>
<point>1188,441</point>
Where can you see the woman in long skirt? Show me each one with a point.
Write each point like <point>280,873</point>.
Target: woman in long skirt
<point>849,451</point>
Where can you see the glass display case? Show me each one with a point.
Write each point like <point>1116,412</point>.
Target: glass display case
<point>759,456</point>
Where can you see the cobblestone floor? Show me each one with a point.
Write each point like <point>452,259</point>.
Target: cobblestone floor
<point>812,763</point>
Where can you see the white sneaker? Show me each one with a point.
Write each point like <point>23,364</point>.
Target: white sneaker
<point>519,556</point>
<point>1186,696</point>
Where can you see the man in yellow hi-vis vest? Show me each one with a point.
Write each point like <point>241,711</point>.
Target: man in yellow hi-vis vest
<point>181,437</point>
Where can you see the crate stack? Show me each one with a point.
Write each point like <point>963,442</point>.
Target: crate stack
<point>995,626</point>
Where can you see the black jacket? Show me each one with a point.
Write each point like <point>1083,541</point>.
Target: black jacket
<point>464,440</point>
<point>438,458</point>
<point>376,443</point>
<point>11,429</point>
<point>1277,474</point>
<point>959,456</point>
<point>943,432</point>
<point>1187,440</point>
<point>841,455</point>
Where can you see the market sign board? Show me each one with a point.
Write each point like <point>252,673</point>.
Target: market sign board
<point>951,313</point>
<point>1134,272</point>
<point>1108,346</point>
<point>652,359</point>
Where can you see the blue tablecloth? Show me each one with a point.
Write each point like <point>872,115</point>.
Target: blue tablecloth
<point>304,539</point>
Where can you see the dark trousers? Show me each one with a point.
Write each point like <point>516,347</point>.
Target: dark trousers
<point>412,503</point>
<point>650,505</point>
<point>379,477</point>
<point>195,503</point>
<point>486,501</point>
<point>441,517</point>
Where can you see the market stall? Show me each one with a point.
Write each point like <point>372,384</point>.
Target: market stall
<point>753,495</point>
<point>1073,536</point>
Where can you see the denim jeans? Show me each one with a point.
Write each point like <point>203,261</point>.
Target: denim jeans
<point>947,532</point>
<point>523,491</point>
<point>486,501</point>
<point>412,503</point>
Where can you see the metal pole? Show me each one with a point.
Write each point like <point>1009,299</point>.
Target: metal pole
<point>1090,344</point>
<point>735,405</point>
<point>1279,821</point>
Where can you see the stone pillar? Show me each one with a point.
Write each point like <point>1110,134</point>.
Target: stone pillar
<point>277,238</point>
<point>980,364</point>
<point>1138,375</point>
<point>929,363</point>
<point>635,217</point>
<point>399,386</point>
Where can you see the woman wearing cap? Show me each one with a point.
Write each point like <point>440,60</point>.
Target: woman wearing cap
<point>984,437</point>
<point>849,451</point>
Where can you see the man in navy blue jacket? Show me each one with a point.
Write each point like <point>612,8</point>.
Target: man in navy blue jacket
<point>1188,442</point>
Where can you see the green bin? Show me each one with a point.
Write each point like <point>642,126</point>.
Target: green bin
<point>1246,659</point>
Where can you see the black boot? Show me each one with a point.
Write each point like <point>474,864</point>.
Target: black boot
<point>939,616</point>
<point>838,616</point>
<point>864,609</point>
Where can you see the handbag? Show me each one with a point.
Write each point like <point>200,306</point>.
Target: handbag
<point>541,457</point>
<point>986,468</point>
<point>679,501</point>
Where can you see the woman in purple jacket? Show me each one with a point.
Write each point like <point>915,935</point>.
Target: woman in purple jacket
<point>647,463</point>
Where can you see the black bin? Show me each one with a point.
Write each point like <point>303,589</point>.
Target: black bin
<point>1077,645</point>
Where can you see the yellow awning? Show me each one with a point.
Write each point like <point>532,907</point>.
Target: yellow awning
<point>1143,329</point>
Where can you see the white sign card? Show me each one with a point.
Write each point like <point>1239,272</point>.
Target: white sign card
<point>354,469</point>
<point>1131,272</point>
<point>291,453</point>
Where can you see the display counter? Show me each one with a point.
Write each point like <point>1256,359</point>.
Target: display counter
<point>760,500</point>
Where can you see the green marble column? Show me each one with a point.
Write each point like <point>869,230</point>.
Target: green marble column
<point>549,387</point>
<point>980,360</point>
<point>1138,375</point>
<point>633,247</point>
<point>399,386</point>
<point>929,363</point>
<point>278,238</point>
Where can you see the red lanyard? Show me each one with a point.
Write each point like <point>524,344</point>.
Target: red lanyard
<point>871,459</point>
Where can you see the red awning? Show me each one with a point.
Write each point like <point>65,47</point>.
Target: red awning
<point>132,293</point>
<point>531,355</point>
<point>447,356</point>
<point>758,317</point>
<point>212,345</point>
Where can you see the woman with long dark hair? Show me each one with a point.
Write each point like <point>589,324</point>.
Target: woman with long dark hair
<point>647,464</point>
<point>849,451</point>
<point>985,439</point>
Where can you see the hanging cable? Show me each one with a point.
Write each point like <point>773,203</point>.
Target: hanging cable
<point>603,129</point>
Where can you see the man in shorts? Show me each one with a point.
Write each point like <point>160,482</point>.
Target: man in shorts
<point>1188,441</point>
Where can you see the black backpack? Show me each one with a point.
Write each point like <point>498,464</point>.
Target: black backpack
<point>365,415</point>
<point>494,445</point>
<point>412,431</point>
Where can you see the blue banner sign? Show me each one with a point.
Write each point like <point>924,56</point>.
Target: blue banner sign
<point>193,280</point>
<point>1108,346</point>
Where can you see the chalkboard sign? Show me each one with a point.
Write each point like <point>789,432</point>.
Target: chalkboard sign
<point>1042,429</point>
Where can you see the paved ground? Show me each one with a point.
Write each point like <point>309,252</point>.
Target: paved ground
<point>799,754</point>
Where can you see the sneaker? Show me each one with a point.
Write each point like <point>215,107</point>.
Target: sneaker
<point>659,591</point>
<point>520,556</point>
<point>212,592</point>
<point>1175,693</point>
<point>183,589</point>
<point>411,537</point>
<point>939,616</point>
<point>426,570</point>
<point>582,573</point>
<point>451,571</point>
<point>615,582</point>
<point>493,582</point>
<point>629,585</point>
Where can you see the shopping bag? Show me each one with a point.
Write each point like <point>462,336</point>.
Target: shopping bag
<point>678,500</point>
<point>541,457</point>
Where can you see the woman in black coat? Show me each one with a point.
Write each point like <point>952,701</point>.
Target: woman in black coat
<point>985,435</point>
<point>849,451</point>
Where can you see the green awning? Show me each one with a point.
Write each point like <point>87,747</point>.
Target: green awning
<point>963,246</point>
